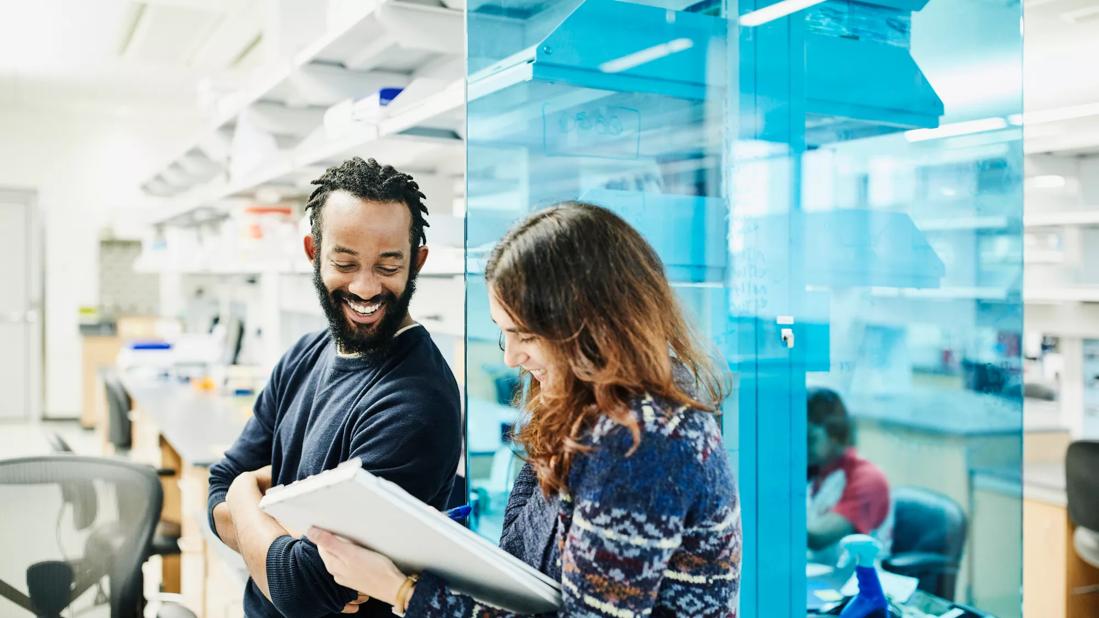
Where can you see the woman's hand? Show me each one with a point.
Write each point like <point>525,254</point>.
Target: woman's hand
<point>358,568</point>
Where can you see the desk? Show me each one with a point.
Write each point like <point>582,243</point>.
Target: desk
<point>934,439</point>
<point>819,577</point>
<point>182,429</point>
<point>1051,568</point>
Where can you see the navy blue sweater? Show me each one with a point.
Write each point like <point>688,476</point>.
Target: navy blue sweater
<point>400,413</point>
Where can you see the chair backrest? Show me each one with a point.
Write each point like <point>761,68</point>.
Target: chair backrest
<point>1082,483</point>
<point>57,443</point>
<point>118,410</point>
<point>927,521</point>
<point>73,527</point>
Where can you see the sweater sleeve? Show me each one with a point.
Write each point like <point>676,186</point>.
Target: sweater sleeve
<point>396,439</point>
<point>252,449</point>
<point>628,520</point>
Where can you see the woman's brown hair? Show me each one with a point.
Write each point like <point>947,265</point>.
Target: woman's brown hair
<point>584,281</point>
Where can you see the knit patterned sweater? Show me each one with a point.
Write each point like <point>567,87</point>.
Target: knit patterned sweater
<point>654,533</point>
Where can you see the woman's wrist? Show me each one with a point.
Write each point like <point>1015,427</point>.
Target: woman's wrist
<point>393,586</point>
<point>404,594</point>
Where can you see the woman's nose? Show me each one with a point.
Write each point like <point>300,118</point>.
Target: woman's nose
<point>513,357</point>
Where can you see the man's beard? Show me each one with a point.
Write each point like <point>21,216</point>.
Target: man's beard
<point>354,338</point>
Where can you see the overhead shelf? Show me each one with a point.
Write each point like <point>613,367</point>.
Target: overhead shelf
<point>966,223</point>
<point>1066,218</point>
<point>1080,294</point>
<point>982,293</point>
<point>272,130</point>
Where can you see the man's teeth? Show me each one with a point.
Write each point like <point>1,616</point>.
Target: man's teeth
<point>363,309</point>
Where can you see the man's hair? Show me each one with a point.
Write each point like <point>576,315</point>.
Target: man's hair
<point>368,180</point>
<point>827,410</point>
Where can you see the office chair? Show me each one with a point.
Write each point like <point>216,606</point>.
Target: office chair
<point>165,540</point>
<point>928,537</point>
<point>57,443</point>
<point>76,530</point>
<point>1082,491</point>
<point>118,410</point>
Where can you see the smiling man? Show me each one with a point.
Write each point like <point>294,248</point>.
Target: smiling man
<point>372,386</point>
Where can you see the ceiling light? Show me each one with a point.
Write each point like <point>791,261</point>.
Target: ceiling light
<point>1046,181</point>
<point>775,11</point>
<point>646,55</point>
<point>1079,15</point>
<point>957,128</point>
<point>1061,113</point>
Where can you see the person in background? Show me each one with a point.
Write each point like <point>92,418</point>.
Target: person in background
<point>372,386</point>
<point>847,494</point>
<point>627,497</point>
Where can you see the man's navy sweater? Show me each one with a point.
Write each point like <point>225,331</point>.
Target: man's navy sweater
<point>399,412</point>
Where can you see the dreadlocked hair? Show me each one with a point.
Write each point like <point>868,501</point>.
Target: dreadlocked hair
<point>368,180</point>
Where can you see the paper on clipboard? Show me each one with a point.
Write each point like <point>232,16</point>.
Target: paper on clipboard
<point>378,514</point>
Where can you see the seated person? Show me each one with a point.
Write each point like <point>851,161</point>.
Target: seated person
<point>847,494</point>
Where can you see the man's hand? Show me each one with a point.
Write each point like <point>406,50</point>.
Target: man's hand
<point>263,478</point>
<point>255,530</point>
<point>223,519</point>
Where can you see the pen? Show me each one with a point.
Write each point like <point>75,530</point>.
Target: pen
<point>459,513</point>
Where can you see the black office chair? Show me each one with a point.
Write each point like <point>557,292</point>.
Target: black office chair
<point>119,431</point>
<point>75,532</point>
<point>118,410</point>
<point>57,443</point>
<point>1082,492</point>
<point>928,537</point>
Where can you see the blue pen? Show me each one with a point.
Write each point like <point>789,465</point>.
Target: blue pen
<point>459,513</point>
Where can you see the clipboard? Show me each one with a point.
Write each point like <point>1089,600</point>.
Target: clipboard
<point>378,514</point>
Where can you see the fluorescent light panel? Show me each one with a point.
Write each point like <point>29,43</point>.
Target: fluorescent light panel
<point>957,128</point>
<point>1058,114</point>
<point>646,55</point>
<point>1076,16</point>
<point>1045,181</point>
<point>775,11</point>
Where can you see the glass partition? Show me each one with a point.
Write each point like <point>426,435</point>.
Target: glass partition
<point>631,117</point>
<point>836,194</point>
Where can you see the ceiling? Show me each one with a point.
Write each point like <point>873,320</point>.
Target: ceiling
<point>1061,45</point>
<point>168,56</point>
<point>122,56</point>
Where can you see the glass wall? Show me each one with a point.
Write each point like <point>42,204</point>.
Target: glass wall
<point>631,117</point>
<point>837,197</point>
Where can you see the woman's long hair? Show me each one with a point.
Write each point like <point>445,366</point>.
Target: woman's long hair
<point>585,282</point>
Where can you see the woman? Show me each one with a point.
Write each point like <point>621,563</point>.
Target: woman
<point>626,497</point>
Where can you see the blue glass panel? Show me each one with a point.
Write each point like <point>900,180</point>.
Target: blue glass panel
<point>631,117</point>
<point>836,196</point>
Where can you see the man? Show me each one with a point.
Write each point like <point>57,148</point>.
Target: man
<point>847,494</point>
<point>372,386</point>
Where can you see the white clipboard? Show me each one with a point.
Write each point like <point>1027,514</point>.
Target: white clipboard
<point>378,514</point>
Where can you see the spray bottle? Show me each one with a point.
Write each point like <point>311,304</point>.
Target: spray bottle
<point>870,602</point>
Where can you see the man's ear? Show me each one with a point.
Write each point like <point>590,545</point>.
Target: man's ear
<point>421,257</point>
<point>310,248</point>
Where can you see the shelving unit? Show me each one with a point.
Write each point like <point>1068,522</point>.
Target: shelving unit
<point>1079,294</point>
<point>1082,218</point>
<point>271,132</point>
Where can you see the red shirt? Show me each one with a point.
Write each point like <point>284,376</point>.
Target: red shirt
<point>864,500</point>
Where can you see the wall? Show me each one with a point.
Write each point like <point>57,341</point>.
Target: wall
<point>83,163</point>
